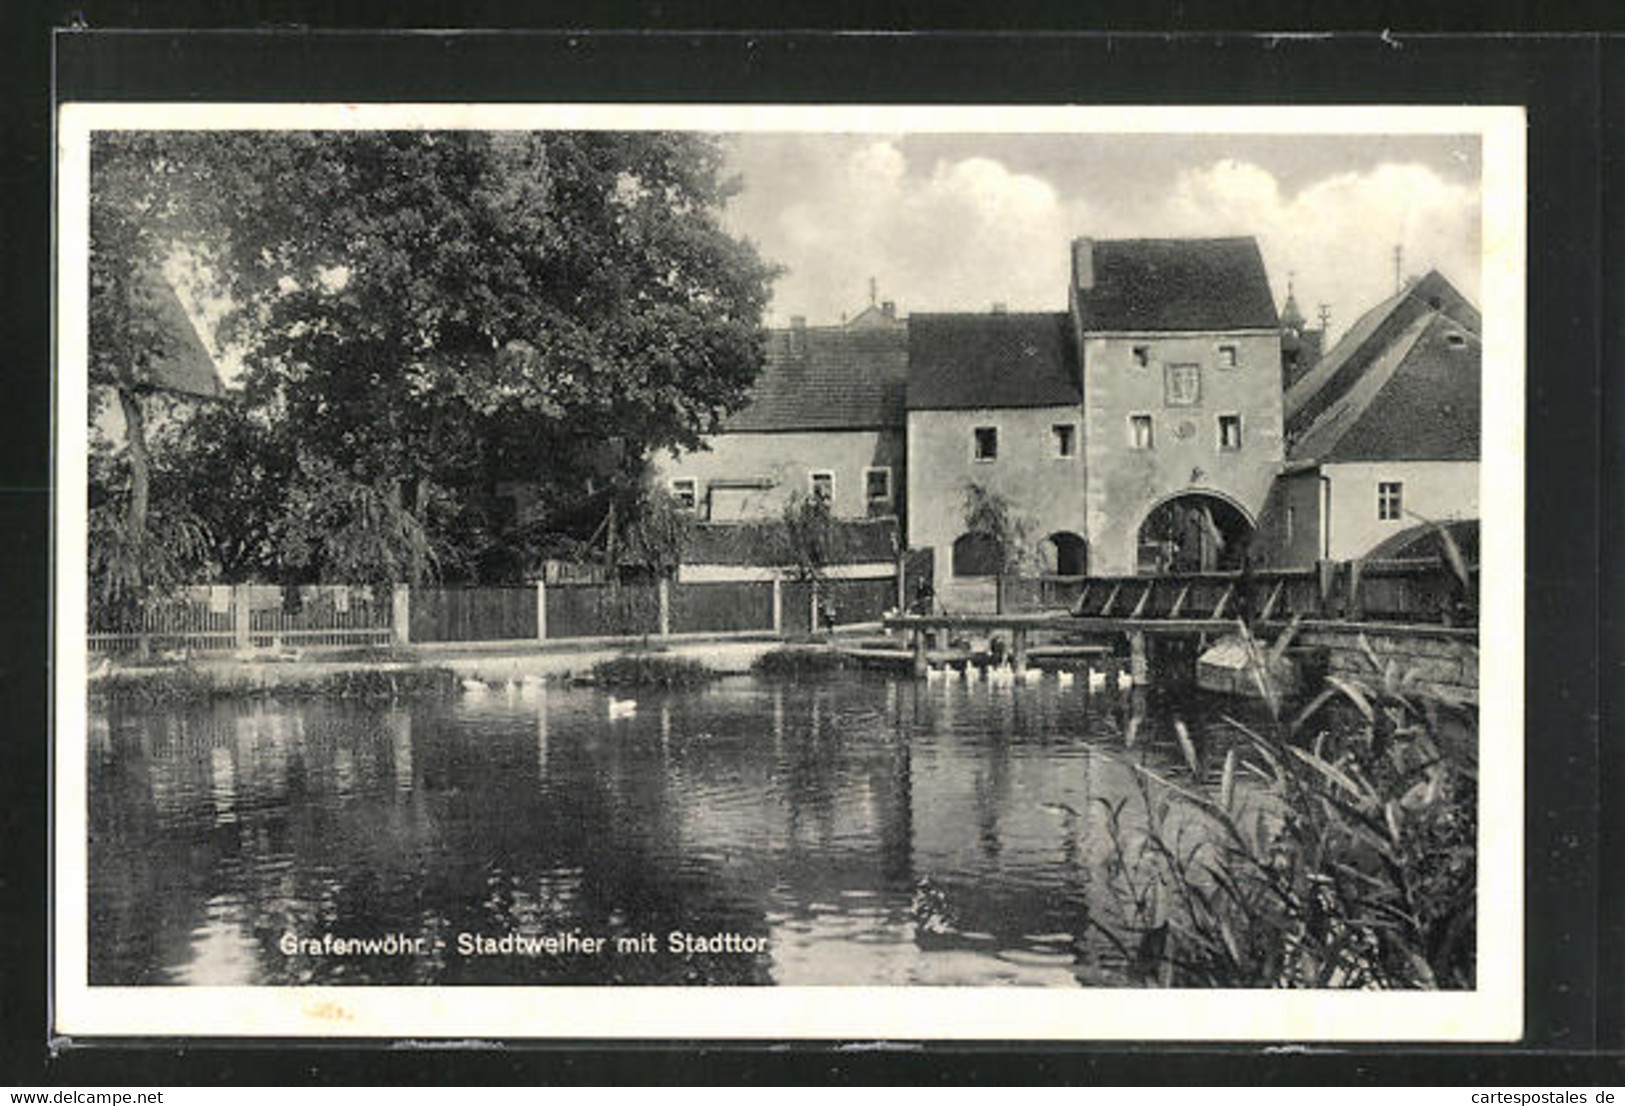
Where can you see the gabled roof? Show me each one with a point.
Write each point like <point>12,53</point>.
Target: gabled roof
<point>1177,284</point>
<point>829,378</point>
<point>964,361</point>
<point>1371,333</point>
<point>1418,401</point>
<point>177,360</point>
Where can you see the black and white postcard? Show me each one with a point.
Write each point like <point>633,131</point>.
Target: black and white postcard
<point>744,572</point>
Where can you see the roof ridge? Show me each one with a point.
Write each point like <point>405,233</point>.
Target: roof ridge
<point>1351,406</point>
<point>1185,238</point>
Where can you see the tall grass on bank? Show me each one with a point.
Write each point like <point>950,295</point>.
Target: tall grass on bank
<point>792,662</point>
<point>189,685</point>
<point>651,670</point>
<point>1354,865</point>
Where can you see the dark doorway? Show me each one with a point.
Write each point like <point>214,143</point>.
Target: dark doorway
<point>1193,533</point>
<point>1065,554</point>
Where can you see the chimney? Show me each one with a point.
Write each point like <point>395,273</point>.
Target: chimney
<point>889,309</point>
<point>999,308</point>
<point>1083,264</point>
<point>798,335</point>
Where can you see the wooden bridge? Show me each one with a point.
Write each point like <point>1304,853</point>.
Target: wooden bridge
<point>1427,598</point>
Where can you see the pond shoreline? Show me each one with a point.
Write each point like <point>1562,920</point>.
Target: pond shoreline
<point>418,670</point>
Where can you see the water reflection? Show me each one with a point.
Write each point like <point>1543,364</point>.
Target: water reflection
<point>870,831</point>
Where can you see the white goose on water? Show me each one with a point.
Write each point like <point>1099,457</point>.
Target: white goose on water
<point>622,708</point>
<point>475,686</point>
<point>1033,675</point>
<point>1064,678</point>
<point>1125,680</point>
<point>1097,680</point>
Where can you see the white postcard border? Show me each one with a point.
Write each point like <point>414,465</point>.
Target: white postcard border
<point>1493,1012</point>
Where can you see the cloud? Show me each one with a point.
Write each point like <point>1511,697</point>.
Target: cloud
<point>962,233</point>
<point>1336,234</point>
<point>957,236</point>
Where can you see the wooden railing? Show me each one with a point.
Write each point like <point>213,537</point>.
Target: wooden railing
<point>1413,591</point>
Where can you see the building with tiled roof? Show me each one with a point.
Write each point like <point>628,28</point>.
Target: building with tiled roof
<point>176,362</point>
<point>1371,334</point>
<point>1396,447</point>
<point>961,361</point>
<point>825,417</point>
<point>1180,353</point>
<point>1139,429</point>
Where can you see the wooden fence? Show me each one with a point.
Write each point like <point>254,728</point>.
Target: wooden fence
<point>221,619</point>
<point>259,617</point>
<point>472,613</point>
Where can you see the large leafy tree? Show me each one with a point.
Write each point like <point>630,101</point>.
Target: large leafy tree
<point>425,315</point>
<point>144,356</point>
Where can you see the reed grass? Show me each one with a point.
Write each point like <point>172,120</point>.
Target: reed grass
<point>1352,864</point>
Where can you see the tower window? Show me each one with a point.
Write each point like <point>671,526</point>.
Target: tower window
<point>1139,430</point>
<point>1065,436</point>
<point>1228,356</point>
<point>1390,500</point>
<point>1142,356</point>
<point>1229,432</point>
<point>986,443</point>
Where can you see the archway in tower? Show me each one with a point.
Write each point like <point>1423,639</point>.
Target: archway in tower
<point>1195,532</point>
<point>1064,554</point>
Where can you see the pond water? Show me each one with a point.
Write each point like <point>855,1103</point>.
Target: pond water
<point>849,829</point>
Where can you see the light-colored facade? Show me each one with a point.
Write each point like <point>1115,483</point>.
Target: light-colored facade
<point>1043,487</point>
<point>1396,448</point>
<point>1211,409</point>
<point>1342,511</point>
<point>751,476</point>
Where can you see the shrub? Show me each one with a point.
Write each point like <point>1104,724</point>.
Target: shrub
<point>792,662</point>
<point>1356,867</point>
<point>651,670</point>
<point>188,685</point>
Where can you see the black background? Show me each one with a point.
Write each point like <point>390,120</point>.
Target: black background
<point>1573,912</point>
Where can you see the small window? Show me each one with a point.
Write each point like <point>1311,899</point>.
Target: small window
<point>822,485</point>
<point>1142,356</point>
<point>1228,357</point>
<point>1183,385</point>
<point>1291,523</point>
<point>1065,436</point>
<point>877,485</point>
<point>1139,427</point>
<point>1229,433</point>
<point>686,492</point>
<point>987,443</point>
<point>1390,500</point>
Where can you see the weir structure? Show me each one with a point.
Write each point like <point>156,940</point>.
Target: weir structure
<point>1424,613</point>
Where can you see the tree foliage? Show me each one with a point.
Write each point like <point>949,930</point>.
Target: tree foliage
<point>422,316</point>
<point>990,512</point>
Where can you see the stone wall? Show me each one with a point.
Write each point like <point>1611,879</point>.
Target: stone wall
<point>1446,666</point>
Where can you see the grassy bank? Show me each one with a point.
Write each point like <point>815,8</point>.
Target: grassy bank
<point>187,685</point>
<point>795,661</point>
<point>651,670</point>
